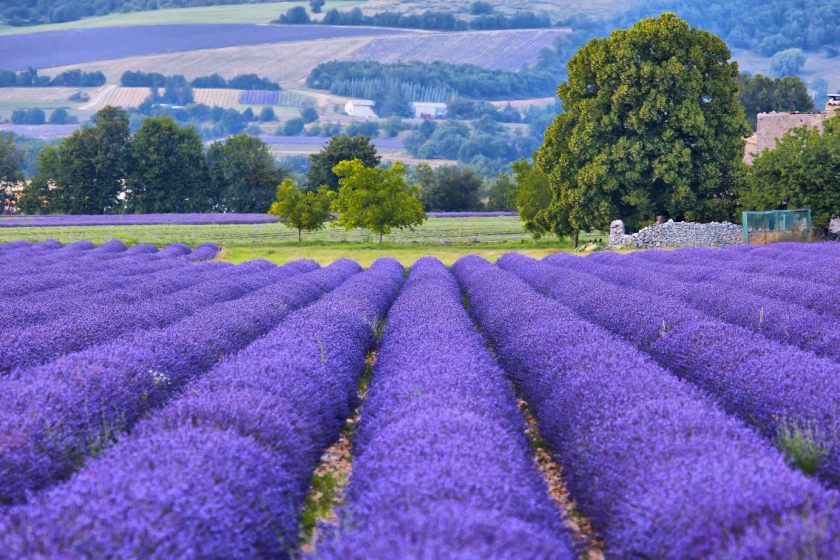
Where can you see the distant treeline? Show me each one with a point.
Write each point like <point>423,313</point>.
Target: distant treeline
<point>465,80</point>
<point>37,116</point>
<point>69,78</point>
<point>155,80</point>
<point>239,175</point>
<point>431,20</point>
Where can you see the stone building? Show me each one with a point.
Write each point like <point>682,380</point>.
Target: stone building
<point>772,126</point>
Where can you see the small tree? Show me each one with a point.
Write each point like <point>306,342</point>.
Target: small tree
<point>309,114</point>
<point>307,211</point>
<point>267,114</point>
<point>787,62</point>
<point>295,16</point>
<point>376,199</point>
<point>338,149</point>
<point>316,5</point>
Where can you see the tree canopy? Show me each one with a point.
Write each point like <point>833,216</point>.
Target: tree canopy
<point>338,149</point>
<point>243,175</point>
<point>11,160</point>
<point>167,162</point>
<point>802,172</point>
<point>92,164</point>
<point>760,94</point>
<point>449,188</point>
<point>652,126</point>
<point>376,199</point>
<point>304,211</point>
<point>102,168</point>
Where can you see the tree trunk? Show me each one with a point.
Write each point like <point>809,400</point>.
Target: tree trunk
<point>575,239</point>
<point>380,238</point>
<point>298,235</point>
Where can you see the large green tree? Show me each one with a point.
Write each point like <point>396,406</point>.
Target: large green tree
<point>304,211</point>
<point>92,165</point>
<point>11,172</point>
<point>651,126</point>
<point>760,94</point>
<point>802,172</point>
<point>376,199</point>
<point>532,196</point>
<point>450,189</point>
<point>36,197</point>
<point>168,164</point>
<point>338,149</point>
<point>243,175</point>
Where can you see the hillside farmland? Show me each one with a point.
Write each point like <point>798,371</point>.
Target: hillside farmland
<point>283,62</point>
<point>292,61</point>
<point>497,50</point>
<point>72,47</point>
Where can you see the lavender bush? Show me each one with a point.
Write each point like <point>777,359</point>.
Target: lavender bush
<point>819,297</point>
<point>766,384</point>
<point>438,408</point>
<point>660,470</point>
<point>775,319</point>
<point>211,283</point>
<point>64,220</point>
<point>92,396</point>
<point>221,471</point>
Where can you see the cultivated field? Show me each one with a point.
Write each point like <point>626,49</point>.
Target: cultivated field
<point>235,408</point>
<point>233,13</point>
<point>433,231</point>
<point>557,9</point>
<point>16,97</point>
<point>447,238</point>
<point>292,61</point>
<point>505,50</point>
<point>74,47</point>
<point>282,62</point>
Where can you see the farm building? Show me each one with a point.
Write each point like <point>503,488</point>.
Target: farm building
<point>428,110</point>
<point>360,108</point>
<point>772,126</point>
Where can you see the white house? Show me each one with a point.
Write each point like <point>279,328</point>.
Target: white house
<point>360,108</point>
<point>428,110</point>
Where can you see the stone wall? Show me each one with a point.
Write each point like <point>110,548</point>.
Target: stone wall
<point>774,125</point>
<point>676,234</point>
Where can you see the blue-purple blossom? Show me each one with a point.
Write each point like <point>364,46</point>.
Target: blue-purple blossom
<point>441,463</point>
<point>270,410</point>
<point>659,470</point>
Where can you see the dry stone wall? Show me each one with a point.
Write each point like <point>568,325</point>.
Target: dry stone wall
<point>676,234</point>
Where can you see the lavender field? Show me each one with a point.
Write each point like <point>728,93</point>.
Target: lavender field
<point>68,220</point>
<point>157,403</point>
<point>75,46</point>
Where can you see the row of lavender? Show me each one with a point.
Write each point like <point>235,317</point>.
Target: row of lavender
<point>58,220</point>
<point>221,464</point>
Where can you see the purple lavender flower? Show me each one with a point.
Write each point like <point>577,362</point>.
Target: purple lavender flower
<point>660,470</point>
<point>439,408</point>
<point>769,385</point>
<point>222,471</point>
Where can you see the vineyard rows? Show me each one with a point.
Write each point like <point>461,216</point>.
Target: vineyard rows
<point>158,404</point>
